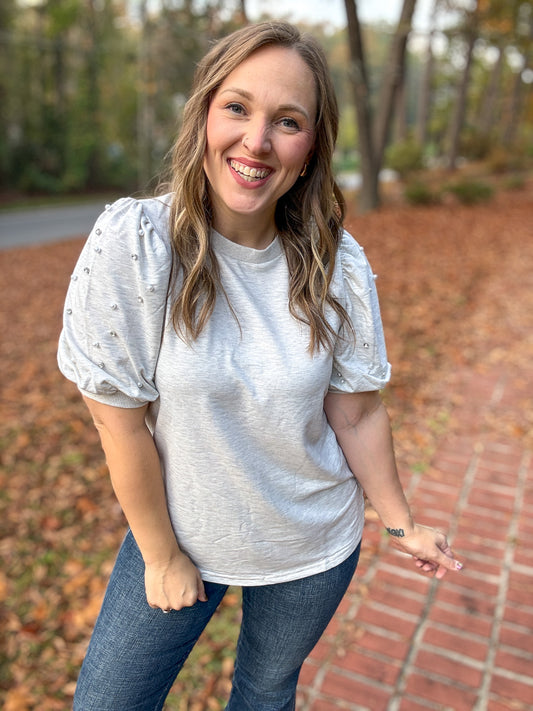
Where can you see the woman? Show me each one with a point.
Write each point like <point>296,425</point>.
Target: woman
<point>227,340</point>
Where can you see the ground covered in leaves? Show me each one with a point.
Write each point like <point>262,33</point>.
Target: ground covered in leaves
<point>456,290</point>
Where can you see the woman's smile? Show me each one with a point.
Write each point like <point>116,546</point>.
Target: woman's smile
<point>252,175</point>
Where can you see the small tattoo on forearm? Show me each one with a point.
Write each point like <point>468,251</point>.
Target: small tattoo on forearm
<point>398,532</point>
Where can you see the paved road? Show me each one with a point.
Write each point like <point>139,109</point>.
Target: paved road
<point>19,228</point>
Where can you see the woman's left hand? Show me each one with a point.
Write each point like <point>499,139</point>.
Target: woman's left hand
<point>430,550</point>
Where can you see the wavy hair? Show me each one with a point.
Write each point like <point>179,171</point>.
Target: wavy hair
<point>308,217</point>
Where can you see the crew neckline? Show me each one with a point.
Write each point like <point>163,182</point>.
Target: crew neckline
<point>237,251</point>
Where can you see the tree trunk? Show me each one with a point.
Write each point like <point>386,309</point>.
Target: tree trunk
<point>393,79</point>
<point>460,103</point>
<point>517,98</point>
<point>488,114</point>
<point>424,100</point>
<point>401,130</point>
<point>369,193</point>
<point>144,110</point>
<point>93,96</point>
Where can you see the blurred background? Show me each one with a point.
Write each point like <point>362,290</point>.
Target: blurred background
<point>92,91</point>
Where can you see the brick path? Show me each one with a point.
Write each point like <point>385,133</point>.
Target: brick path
<point>401,642</point>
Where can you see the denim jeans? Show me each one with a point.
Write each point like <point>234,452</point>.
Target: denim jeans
<point>136,652</point>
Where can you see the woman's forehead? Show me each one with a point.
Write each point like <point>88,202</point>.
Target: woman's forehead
<point>275,72</point>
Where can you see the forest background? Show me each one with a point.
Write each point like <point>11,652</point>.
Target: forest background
<point>92,93</point>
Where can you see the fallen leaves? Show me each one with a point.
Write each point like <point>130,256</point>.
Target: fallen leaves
<point>456,292</point>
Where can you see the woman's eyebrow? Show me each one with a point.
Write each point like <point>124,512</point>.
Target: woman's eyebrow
<point>247,95</point>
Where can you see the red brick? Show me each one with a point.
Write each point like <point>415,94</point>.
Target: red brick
<point>389,645</point>
<point>465,600</point>
<point>308,673</point>
<point>448,695</point>
<point>488,528</point>
<point>501,705</point>
<point>345,605</point>
<point>520,588</point>
<point>515,638</point>
<point>523,556</point>
<point>476,624</point>
<point>445,666</point>
<point>494,456</point>
<point>333,628</point>
<point>456,642</point>
<point>435,497</point>
<point>397,601</point>
<point>512,689</point>
<point>486,499</point>
<point>369,667</point>
<point>452,463</point>
<point>394,623</point>
<point>321,705</point>
<point>478,552</point>
<point>519,615</point>
<point>513,662</point>
<point>410,705</point>
<point>320,652</point>
<point>429,517</point>
<point>396,579</point>
<point>478,574</point>
<point>355,691</point>
<point>491,475</point>
<point>525,522</point>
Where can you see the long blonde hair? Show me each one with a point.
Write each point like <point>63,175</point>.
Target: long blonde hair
<point>308,217</point>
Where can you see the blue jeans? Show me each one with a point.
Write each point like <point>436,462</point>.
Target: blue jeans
<point>136,652</point>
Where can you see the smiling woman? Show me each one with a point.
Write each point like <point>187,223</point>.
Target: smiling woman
<point>227,339</point>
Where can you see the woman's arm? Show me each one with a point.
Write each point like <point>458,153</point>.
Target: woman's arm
<point>172,580</point>
<point>361,425</point>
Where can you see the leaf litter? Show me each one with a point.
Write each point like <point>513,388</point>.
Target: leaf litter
<point>456,292</point>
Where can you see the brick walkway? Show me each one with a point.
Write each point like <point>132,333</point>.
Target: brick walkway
<point>401,642</point>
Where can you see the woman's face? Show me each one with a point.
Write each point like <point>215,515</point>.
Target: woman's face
<point>260,133</point>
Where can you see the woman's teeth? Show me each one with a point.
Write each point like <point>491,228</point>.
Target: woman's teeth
<point>249,174</point>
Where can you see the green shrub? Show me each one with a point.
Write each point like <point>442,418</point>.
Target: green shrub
<point>419,193</point>
<point>470,192</point>
<point>515,182</point>
<point>499,160</point>
<point>474,145</point>
<point>404,157</point>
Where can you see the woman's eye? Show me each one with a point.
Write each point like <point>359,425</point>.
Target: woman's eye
<point>235,108</point>
<point>287,122</point>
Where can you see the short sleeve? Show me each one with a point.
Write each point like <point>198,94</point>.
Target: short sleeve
<point>115,307</point>
<point>359,358</point>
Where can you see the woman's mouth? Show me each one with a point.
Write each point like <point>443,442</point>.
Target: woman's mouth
<point>251,175</point>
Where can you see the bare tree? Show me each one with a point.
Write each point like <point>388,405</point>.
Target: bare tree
<point>488,113</point>
<point>424,99</point>
<point>519,89</point>
<point>470,37</point>
<point>373,141</point>
<point>392,80</point>
<point>369,196</point>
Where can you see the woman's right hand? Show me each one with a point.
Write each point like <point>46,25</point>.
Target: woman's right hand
<point>173,584</point>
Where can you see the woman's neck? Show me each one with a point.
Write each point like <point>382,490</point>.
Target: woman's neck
<point>246,230</point>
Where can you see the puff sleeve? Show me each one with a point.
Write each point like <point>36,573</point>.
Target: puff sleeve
<point>359,365</point>
<point>115,308</point>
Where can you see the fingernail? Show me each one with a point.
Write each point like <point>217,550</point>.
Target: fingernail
<point>458,566</point>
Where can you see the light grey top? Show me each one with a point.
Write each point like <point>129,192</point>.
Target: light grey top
<point>258,488</point>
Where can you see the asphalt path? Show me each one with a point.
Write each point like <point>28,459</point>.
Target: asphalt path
<point>38,225</point>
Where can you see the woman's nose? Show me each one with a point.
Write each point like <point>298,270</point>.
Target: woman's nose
<point>256,139</point>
